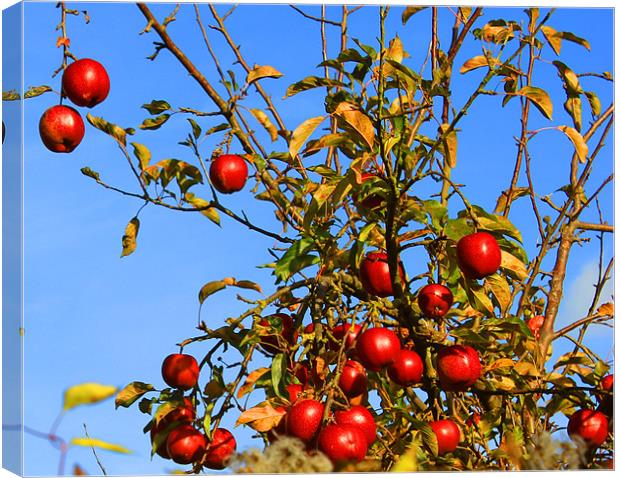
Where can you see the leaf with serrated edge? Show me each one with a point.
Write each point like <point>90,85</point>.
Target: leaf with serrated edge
<point>130,237</point>
<point>86,394</point>
<point>302,133</point>
<point>131,393</point>
<point>96,443</point>
<point>581,147</point>
<point>261,418</point>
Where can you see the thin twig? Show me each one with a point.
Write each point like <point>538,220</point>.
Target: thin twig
<point>94,452</point>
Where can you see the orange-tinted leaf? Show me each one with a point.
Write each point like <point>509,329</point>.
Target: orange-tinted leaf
<point>606,309</point>
<point>262,418</point>
<point>251,380</point>
<point>63,41</point>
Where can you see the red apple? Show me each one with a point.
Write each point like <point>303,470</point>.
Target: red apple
<point>342,443</point>
<point>304,419</point>
<point>183,414</point>
<point>407,368</point>
<point>180,371</point>
<point>458,367</point>
<point>474,419</point>
<point>607,383</point>
<point>359,417</point>
<point>590,425</point>
<point>283,323</point>
<point>435,300</point>
<point>350,331</point>
<point>535,323</point>
<point>185,445</point>
<point>478,255</point>
<point>448,435</point>
<point>377,348</point>
<point>219,450</point>
<point>375,274</point>
<point>228,173</point>
<point>61,129</point>
<point>85,82</point>
<point>294,390</point>
<point>353,381</point>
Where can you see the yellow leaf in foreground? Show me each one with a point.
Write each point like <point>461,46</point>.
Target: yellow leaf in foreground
<point>96,443</point>
<point>87,393</point>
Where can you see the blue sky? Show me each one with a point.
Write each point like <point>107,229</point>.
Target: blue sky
<point>91,316</point>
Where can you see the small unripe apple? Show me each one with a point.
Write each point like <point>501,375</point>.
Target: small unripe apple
<point>228,173</point>
<point>342,443</point>
<point>478,255</point>
<point>180,371</point>
<point>377,348</point>
<point>458,367</point>
<point>435,300</point>
<point>304,419</point>
<point>407,368</point>
<point>535,323</point>
<point>353,381</point>
<point>359,417</point>
<point>270,343</point>
<point>375,274</point>
<point>61,129</point>
<point>185,445</point>
<point>219,450</point>
<point>591,426</point>
<point>85,82</point>
<point>448,435</point>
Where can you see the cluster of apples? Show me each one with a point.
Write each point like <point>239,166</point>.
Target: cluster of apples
<point>175,434</point>
<point>86,83</point>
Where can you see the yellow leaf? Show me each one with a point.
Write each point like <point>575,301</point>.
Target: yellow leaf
<point>266,123</point>
<point>251,380</point>
<point>357,120</point>
<point>539,98</point>
<point>259,72</point>
<point>302,133</point>
<point>262,418</point>
<point>395,50</point>
<point>86,393</point>
<point>130,236</point>
<point>513,265</point>
<point>553,37</point>
<point>96,443</point>
<point>473,63</point>
<point>581,147</point>
<point>500,289</point>
<point>408,461</point>
<point>504,383</point>
<point>606,309</point>
<point>499,363</point>
<point>450,145</point>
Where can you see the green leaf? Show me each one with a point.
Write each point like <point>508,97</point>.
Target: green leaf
<point>113,130</point>
<point>86,393</point>
<point>259,72</point>
<point>132,392</point>
<point>502,200</point>
<point>302,133</point>
<point>278,370</point>
<point>196,129</point>
<point>34,91</point>
<point>130,236</point>
<point>86,171</point>
<point>409,12</point>
<point>264,120</point>
<point>540,98</point>
<point>455,229</point>
<point>11,95</point>
<point>299,248</point>
<point>478,298</point>
<point>154,123</point>
<point>310,83</point>
<point>581,147</point>
<point>142,153</point>
<point>96,443</point>
<point>210,288</point>
<point>156,106</point>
